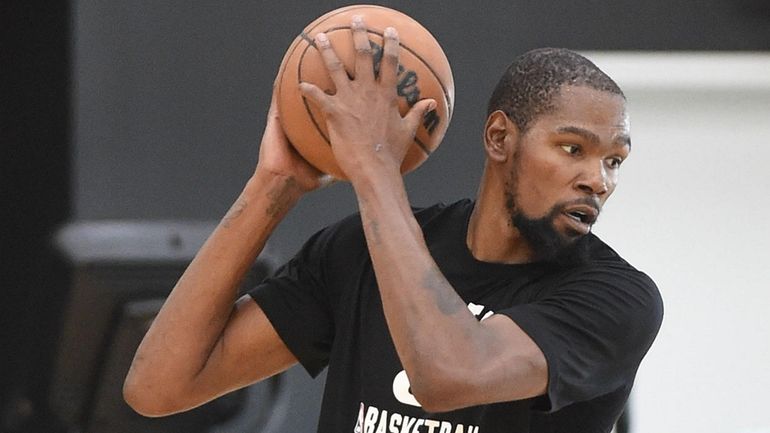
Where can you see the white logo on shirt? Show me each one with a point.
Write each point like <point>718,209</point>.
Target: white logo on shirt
<point>359,428</point>
<point>376,420</point>
<point>401,390</point>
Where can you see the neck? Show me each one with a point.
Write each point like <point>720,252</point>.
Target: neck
<point>491,235</point>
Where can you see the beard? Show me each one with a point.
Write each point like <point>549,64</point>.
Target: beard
<point>547,243</point>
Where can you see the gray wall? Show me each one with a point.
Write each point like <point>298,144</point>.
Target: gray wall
<point>169,97</point>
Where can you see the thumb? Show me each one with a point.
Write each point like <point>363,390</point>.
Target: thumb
<point>416,114</point>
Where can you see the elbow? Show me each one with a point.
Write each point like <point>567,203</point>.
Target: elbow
<point>446,389</point>
<point>438,393</point>
<point>144,400</point>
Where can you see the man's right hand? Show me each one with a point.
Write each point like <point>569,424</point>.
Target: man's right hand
<point>278,157</point>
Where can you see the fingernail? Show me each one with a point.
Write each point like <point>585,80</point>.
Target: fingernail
<point>322,39</point>
<point>326,180</point>
<point>390,32</point>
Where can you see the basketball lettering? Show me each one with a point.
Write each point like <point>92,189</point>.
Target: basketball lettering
<point>406,87</point>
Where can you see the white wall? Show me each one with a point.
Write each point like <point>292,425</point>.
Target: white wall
<point>693,211</point>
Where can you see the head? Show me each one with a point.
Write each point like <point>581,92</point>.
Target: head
<point>556,134</point>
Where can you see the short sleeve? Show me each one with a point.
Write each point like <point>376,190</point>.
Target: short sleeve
<point>594,327</point>
<point>296,301</point>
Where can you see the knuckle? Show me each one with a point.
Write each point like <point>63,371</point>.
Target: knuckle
<point>334,64</point>
<point>391,57</point>
<point>361,49</point>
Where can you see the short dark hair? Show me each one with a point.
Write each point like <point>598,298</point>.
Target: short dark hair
<point>527,87</point>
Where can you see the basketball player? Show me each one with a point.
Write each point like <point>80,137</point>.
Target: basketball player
<point>503,314</point>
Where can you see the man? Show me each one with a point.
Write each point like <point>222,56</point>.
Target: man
<point>503,315</point>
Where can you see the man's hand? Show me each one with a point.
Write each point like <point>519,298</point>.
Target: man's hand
<point>367,133</point>
<point>278,157</point>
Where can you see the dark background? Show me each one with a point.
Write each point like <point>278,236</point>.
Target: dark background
<point>149,111</point>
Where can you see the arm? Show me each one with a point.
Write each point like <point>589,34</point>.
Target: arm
<point>203,343</point>
<point>452,360</point>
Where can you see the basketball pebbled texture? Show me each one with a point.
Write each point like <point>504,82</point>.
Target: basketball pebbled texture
<point>424,72</point>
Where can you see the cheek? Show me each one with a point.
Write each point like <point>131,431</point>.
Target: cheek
<point>539,185</point>
<point>612,182</point>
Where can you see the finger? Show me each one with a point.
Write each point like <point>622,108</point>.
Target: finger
<point>417,113</point>
<point>389,65</point>
<point>364,63</point>
<point>314,94</point>
<point>333,63</point>
<point>325,180</point>
<point>273,111</point>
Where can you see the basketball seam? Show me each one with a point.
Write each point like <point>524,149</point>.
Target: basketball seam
<point>304,99</point>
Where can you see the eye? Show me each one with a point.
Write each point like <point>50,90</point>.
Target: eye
<point>572,149</point>
<point>615,162</point>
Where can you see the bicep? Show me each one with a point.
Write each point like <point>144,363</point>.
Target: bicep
<point>515,368</point>
<point>249,350</point>
<point>501,363</point>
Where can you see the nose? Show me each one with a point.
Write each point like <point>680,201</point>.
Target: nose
<point>594,179</point>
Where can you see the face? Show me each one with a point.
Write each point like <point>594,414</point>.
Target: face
<point>565,167</point>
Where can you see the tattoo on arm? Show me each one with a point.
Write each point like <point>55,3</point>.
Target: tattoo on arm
<point>375,230</point>
<point>447,300</point>
<point>280,201</point>
<point>235,211</point>
<point>373,234</point>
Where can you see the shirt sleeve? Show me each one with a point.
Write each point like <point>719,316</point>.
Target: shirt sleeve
<point>296,301</point>
<point>594,327</point>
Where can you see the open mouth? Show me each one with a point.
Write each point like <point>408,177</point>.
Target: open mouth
<point>579,216</point>
<point>583,214</point>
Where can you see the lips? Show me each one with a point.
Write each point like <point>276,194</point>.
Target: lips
<point>585,214</point>
<point>581,217</point>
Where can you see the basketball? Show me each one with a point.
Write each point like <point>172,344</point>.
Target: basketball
<point>423,72</point>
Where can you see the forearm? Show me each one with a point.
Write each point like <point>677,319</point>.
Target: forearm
<point>183,335</point>
<point>434,332</point>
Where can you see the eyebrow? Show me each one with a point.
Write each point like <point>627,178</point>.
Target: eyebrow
<point>622,140</point>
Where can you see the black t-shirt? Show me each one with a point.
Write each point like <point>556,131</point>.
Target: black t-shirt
<point>594,322</point>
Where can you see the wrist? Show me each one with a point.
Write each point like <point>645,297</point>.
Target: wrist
<point>374,169</point>
<point>278,192</point>
<point>376,180</point>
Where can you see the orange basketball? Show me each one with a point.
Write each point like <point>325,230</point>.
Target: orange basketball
<point>423,72</point>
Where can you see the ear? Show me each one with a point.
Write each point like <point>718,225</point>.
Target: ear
<point>501,136</point>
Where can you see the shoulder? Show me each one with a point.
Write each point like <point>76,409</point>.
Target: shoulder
<point>351,227</point>
<point>610,281</point>
<point>454,212</point>
<point>607,265</point>
<point>346,236</point>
